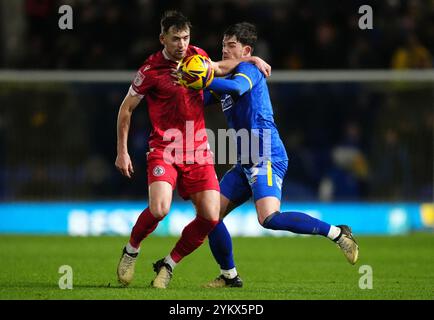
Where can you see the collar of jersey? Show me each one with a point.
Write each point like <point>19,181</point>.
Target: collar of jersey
<point>166,56</point>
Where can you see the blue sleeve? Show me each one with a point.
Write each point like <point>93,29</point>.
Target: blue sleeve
<point>250,72</point>
<point>246,75</point>
<point>236,85</point>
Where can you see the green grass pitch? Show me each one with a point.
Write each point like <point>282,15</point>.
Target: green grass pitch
<point>272,268</point>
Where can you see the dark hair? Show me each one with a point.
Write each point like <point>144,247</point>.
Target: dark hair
<point>174,19</point>
<point>244,32</point>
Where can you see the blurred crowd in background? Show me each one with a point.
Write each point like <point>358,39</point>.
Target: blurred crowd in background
<point>293,34</point>
<point>346,141</point>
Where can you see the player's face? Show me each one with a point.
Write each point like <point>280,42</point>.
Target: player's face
<point>176,42</point>
<point>233,49</point>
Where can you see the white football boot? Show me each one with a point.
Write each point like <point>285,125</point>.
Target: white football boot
<point>164,274</point>
<point>346,242</point>
<point>126,267</point>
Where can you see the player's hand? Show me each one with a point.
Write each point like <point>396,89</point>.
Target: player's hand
<point>124,165</point>
<point>264,67</point>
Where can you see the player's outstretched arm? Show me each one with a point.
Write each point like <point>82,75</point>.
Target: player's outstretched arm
<point>237,85</point>
<point>245,78</point>
<point>224,67</point>
<point>123,161</point>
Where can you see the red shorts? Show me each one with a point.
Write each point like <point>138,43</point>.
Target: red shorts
<point>190,178</point>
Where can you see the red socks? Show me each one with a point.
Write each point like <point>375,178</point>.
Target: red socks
<point>146,223</point>
<point>192,237</point>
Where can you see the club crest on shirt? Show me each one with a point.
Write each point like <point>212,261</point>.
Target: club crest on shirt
<point>158,171</point>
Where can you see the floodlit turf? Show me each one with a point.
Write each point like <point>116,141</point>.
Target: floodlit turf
<point>272,268</point>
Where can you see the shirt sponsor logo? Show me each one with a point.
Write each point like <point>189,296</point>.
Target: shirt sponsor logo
<point>227,102</point>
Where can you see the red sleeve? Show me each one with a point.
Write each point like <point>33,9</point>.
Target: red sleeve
<point>200,51</point>
<point>143,81</point>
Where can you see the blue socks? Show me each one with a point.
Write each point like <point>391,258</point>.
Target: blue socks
<point>220,243</point>
<point>296,222</point>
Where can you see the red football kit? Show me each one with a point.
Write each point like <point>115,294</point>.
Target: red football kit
<point>179,150</point>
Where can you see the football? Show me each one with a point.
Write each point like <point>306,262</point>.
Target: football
<point>195,72</point>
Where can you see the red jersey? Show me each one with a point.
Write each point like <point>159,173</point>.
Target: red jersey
<point>171,108</point>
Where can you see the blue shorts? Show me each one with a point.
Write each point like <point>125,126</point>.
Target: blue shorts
<point>261,180</point>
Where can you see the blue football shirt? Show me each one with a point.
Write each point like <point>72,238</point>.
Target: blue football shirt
<point>248,106</point>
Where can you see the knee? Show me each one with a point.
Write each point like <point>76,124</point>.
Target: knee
<point>159,209</point>
<point>211,211</point>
